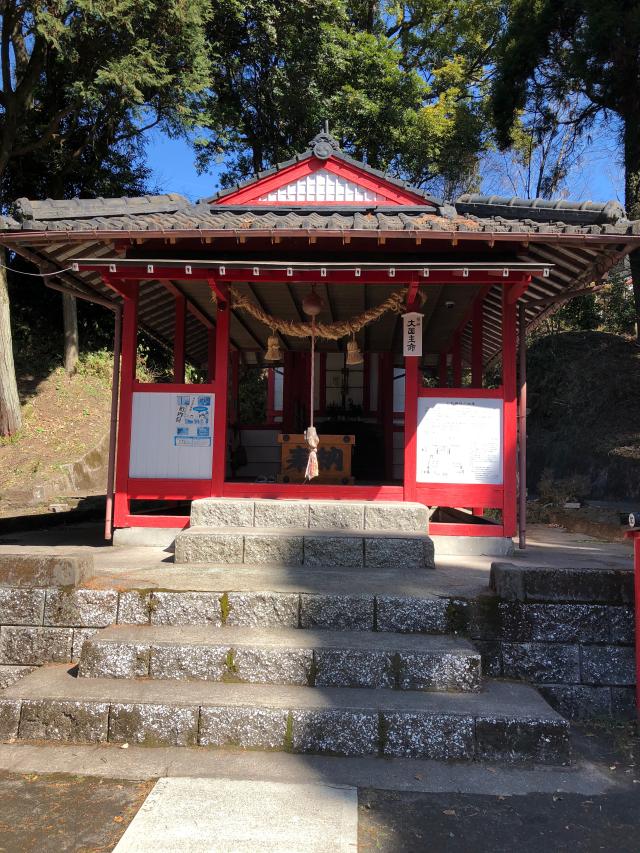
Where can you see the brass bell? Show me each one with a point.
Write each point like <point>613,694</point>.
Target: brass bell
<point>273,352</point>
<point>354,356</point>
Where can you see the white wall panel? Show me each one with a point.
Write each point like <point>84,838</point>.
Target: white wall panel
<point>169,437</point>
<point>459,440</point>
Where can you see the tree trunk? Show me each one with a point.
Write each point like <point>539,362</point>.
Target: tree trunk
<point>10,415</point>
<point>632,195</point>
<point>70,318</point>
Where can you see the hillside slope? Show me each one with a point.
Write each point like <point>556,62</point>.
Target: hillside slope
<point>63,419</point>
<point>584,401</point>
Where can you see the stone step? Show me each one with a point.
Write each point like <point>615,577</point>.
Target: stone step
<point>326,515</point>
<point>302,547</point>
<point>506,722</point>
<point>283,656</point>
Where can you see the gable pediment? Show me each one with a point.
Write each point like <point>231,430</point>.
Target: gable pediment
<point>319,187</point>
<point>324,175</point>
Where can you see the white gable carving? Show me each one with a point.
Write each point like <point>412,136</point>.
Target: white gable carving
<point>322,186</point>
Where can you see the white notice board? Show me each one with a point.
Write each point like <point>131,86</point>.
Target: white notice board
<point>171,436</point>
<point>459,440</point>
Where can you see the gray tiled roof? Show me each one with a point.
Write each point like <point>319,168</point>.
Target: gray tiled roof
<point>541,209</point>
<point>174,213</point>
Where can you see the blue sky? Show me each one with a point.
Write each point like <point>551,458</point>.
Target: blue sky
<point>598,178</point>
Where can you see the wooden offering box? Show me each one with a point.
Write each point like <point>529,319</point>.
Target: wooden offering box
<point>334,459</point>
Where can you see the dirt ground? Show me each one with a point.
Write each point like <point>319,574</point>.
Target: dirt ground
<point>394,822</point>
<point>59,813</point>
<point>535,823</point>
<point>63,418</point>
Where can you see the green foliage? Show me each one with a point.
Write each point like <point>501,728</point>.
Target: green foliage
<point>584,404</point>
<point>252,395</point>
<point>403,85</point>
<point>610,309</point>
<point>557,491</point>
<point>87,76</point>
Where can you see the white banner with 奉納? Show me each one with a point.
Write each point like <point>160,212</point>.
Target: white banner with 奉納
<point>460,440</point>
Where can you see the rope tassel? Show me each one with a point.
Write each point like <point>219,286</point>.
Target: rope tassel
<point>310,434</point>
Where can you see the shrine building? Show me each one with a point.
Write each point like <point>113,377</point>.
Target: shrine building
<point>416,311</point>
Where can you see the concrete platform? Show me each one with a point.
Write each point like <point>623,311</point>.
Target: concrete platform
<point>220,815</point>
<point>154,568</point>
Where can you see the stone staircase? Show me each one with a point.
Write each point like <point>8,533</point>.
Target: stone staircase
<point>318,662</point>
<point>335,687</point>
<point>328,534</point>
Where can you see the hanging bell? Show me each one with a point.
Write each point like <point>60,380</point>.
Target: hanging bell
<point>312,304</point>
<point>273,352</point>
<point>354,356</point>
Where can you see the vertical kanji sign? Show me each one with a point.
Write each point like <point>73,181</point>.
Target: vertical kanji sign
<point>412,333</point>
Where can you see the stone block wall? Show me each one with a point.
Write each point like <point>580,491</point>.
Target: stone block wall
<point>568,632</point>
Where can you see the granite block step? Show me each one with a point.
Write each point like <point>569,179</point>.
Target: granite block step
<point>293,546</point>
<point>283,656</point>
<point>505,723</point>
<point>327,515</point>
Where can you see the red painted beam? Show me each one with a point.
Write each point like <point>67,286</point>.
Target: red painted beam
<point>510,431</point>
<point>211,354</point>
<point>125,409</point>
<point>401,278</point>
<point>411,384</point>
<point>222,386</point>
<point>192,308</point>
<point>518,290</point>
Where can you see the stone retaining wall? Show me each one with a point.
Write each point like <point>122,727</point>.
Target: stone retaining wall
<point>569,632</point>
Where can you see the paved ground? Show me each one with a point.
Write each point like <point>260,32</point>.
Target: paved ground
<point>153,567</point>
<point>403,806</point>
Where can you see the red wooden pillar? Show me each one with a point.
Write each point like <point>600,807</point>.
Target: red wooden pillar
<point>634,534</point>
<point>477,366</point>
<point>385,407</point>
<point>443,371</point>
<point>179,338</point>
<point>411,368</point>
<point>211,355</point>
<point>125,409</point>
<point>457,360</point>
<point>477,343</point>
<point>221,391</point>
<point>510,413</point>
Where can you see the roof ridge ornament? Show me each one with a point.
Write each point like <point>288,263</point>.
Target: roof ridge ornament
<point>324,144</point>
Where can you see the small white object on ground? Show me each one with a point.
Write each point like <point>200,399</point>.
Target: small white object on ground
<point>221,815</point>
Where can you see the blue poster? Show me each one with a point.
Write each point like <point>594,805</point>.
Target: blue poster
<point>193,420</point>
